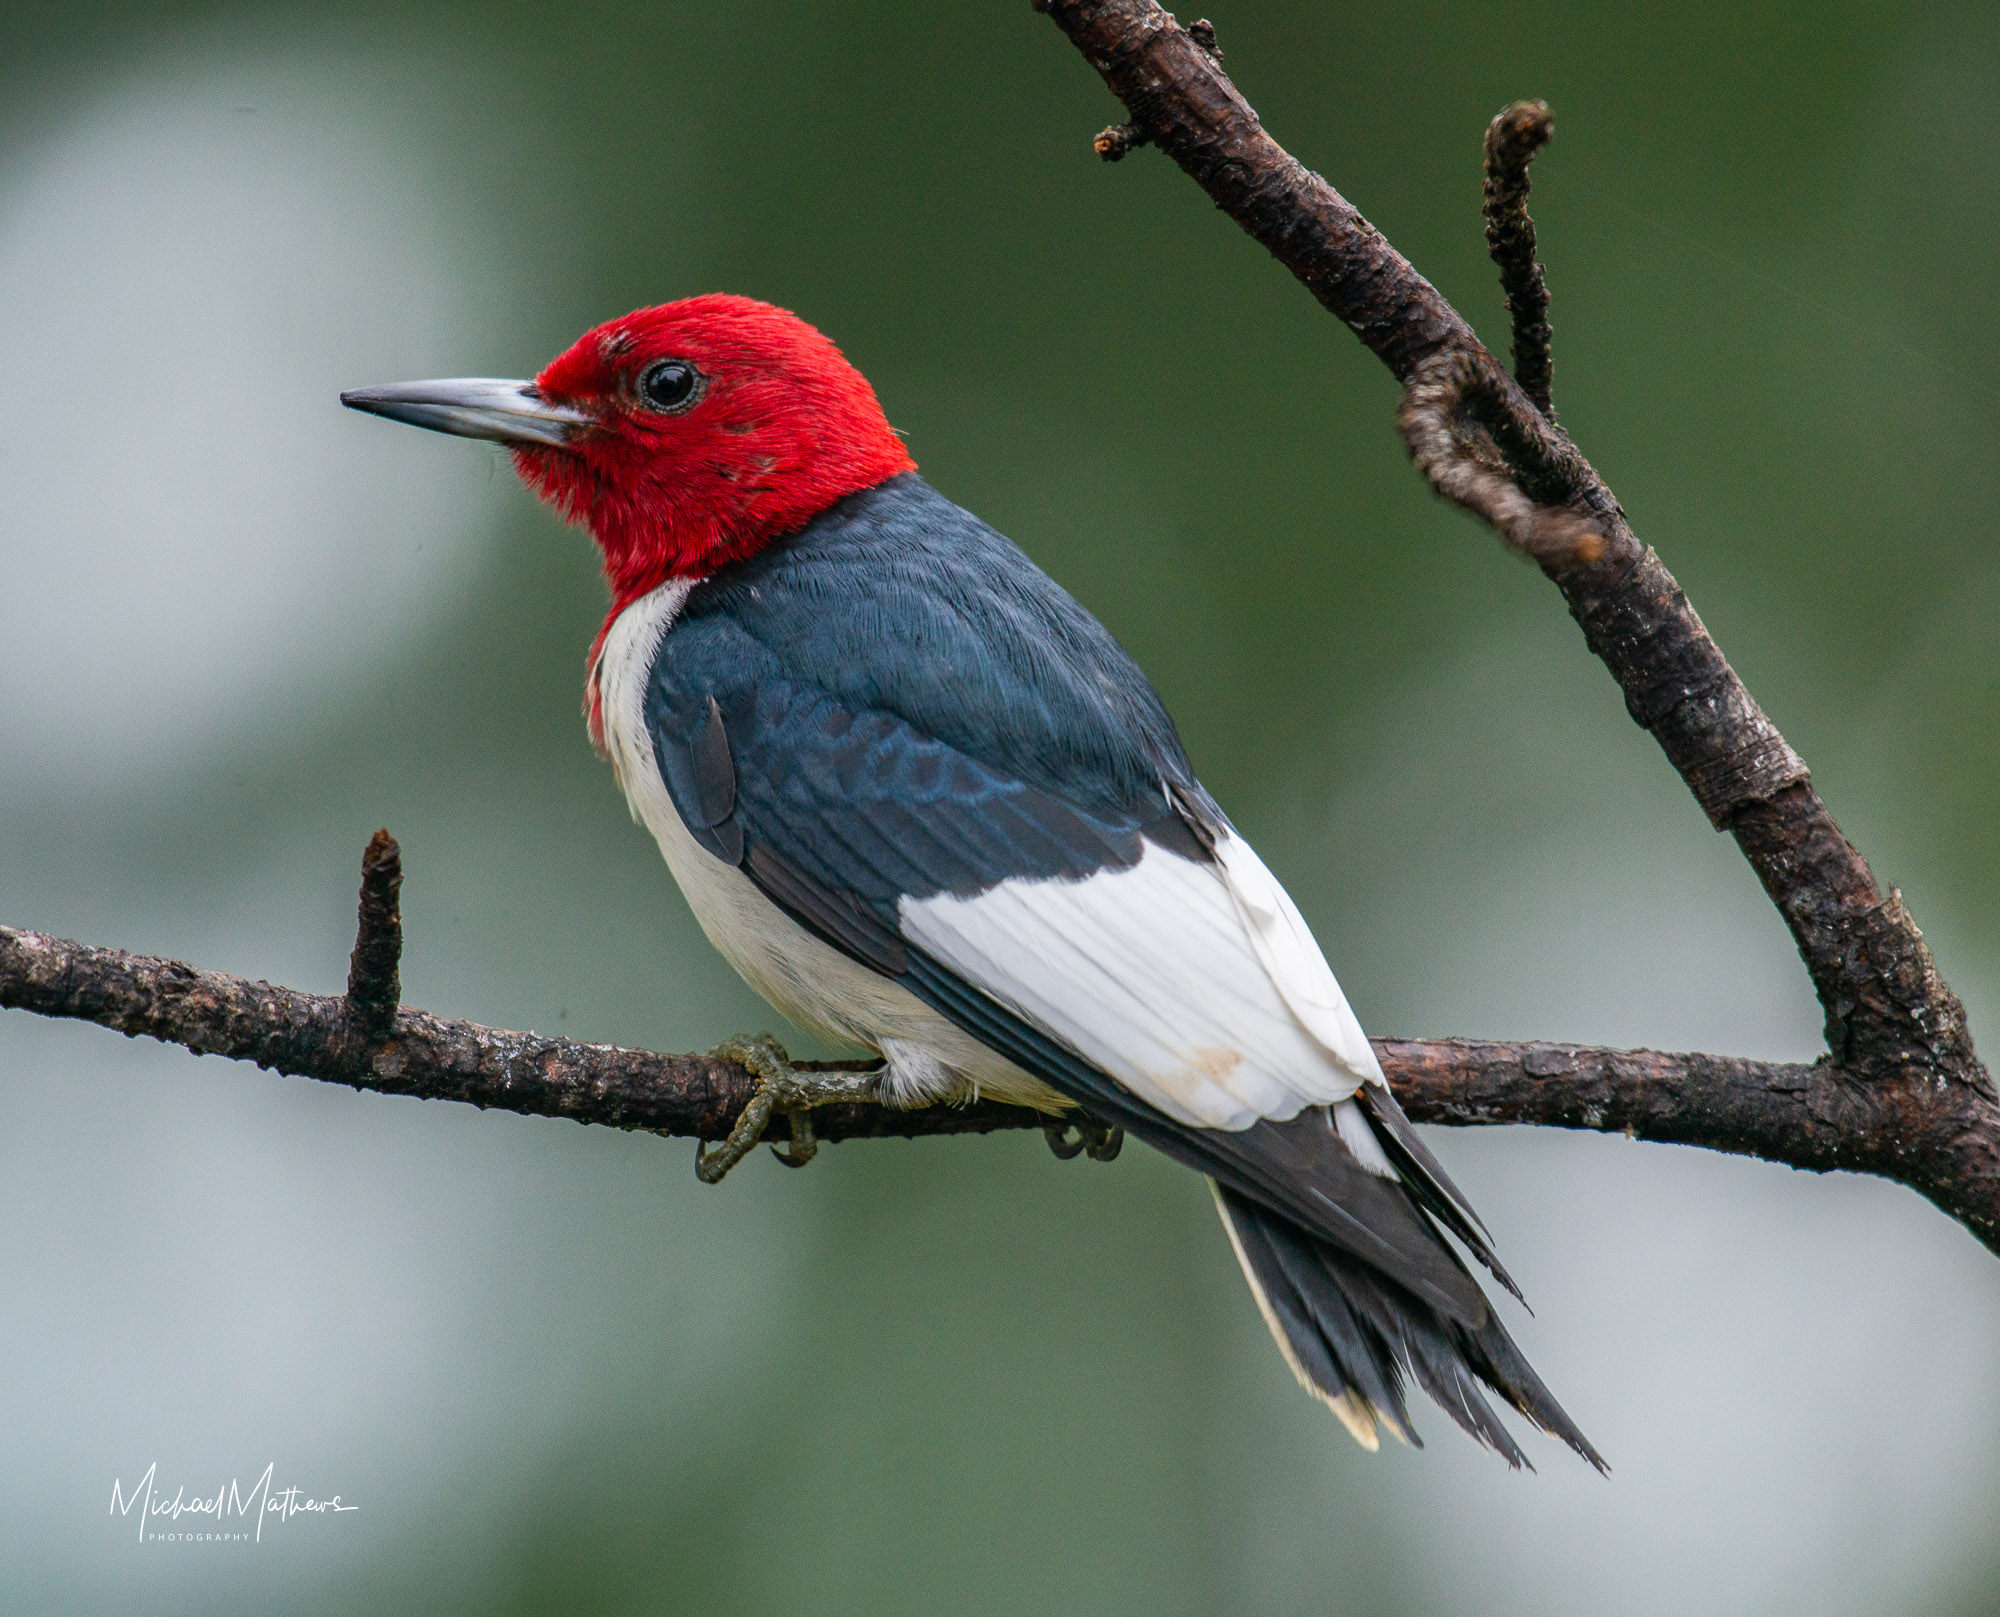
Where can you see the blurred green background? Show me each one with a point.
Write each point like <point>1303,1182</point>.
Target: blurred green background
<point>239,629</point>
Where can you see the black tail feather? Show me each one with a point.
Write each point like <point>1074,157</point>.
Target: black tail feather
<point>1334,1355</point>
<point>1506,1368</point>
<point>1352,1335</point>
<point>1428,1182</point>
<point>1430,1349</point>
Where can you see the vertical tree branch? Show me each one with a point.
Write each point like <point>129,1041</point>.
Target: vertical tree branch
<point>1512,139</point>
<point>374,981</point>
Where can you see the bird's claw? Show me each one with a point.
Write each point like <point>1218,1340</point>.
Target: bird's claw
<point>1102,1141</point>
<point>781,1087</point>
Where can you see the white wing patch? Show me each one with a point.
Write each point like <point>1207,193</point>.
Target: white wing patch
<point>1197,986</point>
<point>1285,946</point>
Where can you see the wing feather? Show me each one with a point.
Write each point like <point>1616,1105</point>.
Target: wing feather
<point>1153,974</point>
<point>1285,947</point>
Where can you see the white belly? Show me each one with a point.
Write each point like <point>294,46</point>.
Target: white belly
<point>810,982</point>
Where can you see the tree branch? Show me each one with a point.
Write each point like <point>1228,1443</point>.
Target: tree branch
<point>1767,1108</point>
<point>1900,1094</point>
<point>416,1053</point>
<point>374,986</point>
<point>1512,140</point>
<point>1924,1108</point>
<point>1473,429</point>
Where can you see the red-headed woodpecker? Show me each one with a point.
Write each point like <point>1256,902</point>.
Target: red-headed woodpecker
<point>926,805</point>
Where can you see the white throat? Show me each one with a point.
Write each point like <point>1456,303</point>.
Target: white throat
<point>623,667</point>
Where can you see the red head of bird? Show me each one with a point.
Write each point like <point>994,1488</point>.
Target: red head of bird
<point>717,424</point>
<point>683,437</point>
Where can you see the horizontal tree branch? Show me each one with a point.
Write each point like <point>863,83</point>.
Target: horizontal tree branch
<point>1718,1101</point>
<point>431,1057</point>
<point>1807,1116</point>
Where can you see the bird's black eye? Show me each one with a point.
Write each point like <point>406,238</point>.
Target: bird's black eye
<point>670,386</point>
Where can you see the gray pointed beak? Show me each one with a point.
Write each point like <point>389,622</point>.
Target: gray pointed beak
<point>474,407</point>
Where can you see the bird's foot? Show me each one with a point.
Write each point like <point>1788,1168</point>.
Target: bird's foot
<point>783,1088</point>
<point>1102,1140</point>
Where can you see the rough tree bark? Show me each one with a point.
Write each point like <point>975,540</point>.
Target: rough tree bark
<point>1899,1093</point>
<point>329,1037</point>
